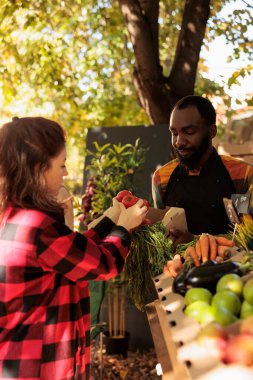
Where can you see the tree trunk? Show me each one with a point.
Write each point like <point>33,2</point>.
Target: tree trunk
<point>157,93</point>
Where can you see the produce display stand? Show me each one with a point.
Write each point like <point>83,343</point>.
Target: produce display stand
<point>174,335</point>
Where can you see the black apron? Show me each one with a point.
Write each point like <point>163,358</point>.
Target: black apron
<point>202,196</point>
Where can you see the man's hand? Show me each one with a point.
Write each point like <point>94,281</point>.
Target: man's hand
<point>174,266</point>
<point>179,237</point>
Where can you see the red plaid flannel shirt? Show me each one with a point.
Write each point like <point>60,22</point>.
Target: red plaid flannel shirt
<point>44,295</point>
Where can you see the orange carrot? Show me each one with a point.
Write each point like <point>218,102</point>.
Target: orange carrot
<point>198,249</point>
<point>224,251</point>
<point>221,240</point>
<point>204,245</point>
<point>212,247</point>
<point>191,253</point>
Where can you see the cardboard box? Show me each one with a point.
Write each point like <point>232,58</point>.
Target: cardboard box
<point>156,214</point>
<point>171,217</point>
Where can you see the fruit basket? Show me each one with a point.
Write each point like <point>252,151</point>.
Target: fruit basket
<point>174,335</point>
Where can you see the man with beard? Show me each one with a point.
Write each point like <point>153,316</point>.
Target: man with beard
<point>198,179</point>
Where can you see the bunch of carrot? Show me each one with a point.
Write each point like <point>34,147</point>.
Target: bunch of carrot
<point>209,247</point>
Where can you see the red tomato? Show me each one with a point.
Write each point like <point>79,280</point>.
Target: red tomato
<point>146,221</point>
<point>146,203</point>
<point>129,200</point>
<point>122,194</point>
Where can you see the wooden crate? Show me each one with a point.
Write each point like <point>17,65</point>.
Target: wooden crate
<point>174,335</point>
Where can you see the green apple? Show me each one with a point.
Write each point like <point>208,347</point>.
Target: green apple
<point>228,300</point>
<point>206,315</point>
<point>196,309</point>
<point>231,282</point>
<point>197,294</point>
<point>223,316</point>
<point>246,310</point>
<point>248,291</point>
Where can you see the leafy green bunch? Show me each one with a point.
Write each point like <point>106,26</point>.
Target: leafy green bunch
<point>150,250</point>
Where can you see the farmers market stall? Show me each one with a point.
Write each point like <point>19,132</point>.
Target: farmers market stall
<point>175,338</point>
<point>204,296</point>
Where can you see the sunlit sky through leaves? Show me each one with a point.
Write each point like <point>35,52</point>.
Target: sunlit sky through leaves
<point>220,70</point>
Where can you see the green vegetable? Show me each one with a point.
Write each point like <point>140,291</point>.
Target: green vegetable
<point>208,276</point>
<point>181,248</point>
<point>150,250</point>
<point>243,235</point>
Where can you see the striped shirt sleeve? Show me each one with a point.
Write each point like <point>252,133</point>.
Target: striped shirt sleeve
<point>159,182</point>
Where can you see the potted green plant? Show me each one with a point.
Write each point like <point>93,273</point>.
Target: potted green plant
<point>112,168</point>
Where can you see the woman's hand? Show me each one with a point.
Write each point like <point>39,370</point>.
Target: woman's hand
<point>113,212</point>
<point>133,216</point>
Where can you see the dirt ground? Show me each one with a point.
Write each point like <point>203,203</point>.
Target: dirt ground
<point>137,365</point>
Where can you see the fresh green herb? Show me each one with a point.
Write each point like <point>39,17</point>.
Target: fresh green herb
<point>181,248</point>
<point>150,250</point>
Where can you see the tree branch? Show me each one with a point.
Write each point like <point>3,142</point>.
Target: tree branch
<point>151,11</point>
<point>145,44</point>
<point>141,18</point>
<point>195,17</point>
<point>248,5</point>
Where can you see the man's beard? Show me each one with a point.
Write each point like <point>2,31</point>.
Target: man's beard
<point>192,161</point>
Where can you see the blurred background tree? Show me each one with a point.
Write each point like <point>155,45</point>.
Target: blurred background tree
<point>105,62</point>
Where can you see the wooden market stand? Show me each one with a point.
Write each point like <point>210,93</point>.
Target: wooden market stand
<point>174,336</point>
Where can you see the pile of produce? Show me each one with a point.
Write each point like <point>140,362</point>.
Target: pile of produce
<point>207,273</point>
<point>232,300</point>
<point>207,246</point>
<point>217,293</point>
<point>232,347</point>
<point>232,304</point>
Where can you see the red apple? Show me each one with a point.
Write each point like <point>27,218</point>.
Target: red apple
<point>213,337</point>
<point>246,325</point>
<point>239,350</point>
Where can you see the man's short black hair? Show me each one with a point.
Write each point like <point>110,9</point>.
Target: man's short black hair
<point>204,106</point>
